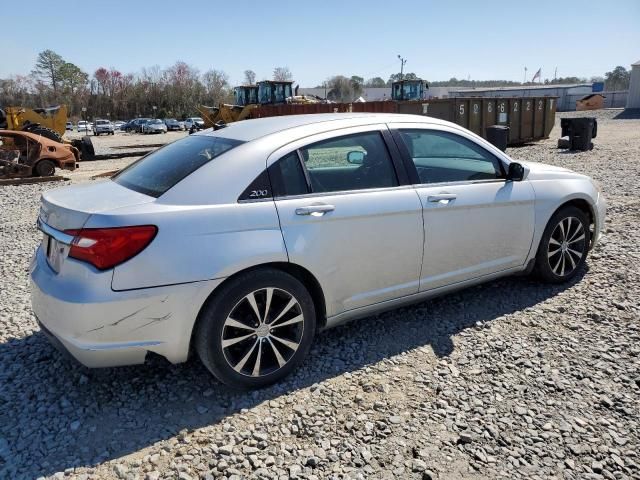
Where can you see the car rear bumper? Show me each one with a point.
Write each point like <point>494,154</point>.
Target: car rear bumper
<point>100,327</point>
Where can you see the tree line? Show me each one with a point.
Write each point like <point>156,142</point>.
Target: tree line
<point>176,90</point>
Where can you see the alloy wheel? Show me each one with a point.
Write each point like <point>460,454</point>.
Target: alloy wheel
<point>262,332</point>
<point>567,246</point>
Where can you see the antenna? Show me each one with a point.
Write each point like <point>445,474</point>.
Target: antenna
<point>402,63</point>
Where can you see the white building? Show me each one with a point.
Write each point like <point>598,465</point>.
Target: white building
<point>374,94</point>
<point>633,97</point>
<point>567,94</point>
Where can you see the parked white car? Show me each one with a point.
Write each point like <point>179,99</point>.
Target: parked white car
<point>103,126</point>
<point>241,243</point>
<point>84,126</point>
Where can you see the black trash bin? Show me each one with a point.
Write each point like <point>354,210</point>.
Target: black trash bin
<point>498,135</point>
<point>580,132</point>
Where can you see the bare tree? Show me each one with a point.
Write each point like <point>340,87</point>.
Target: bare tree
<point>282,74</point>
<point>617,79</point>
<point>217,85</point>
<point>375,82</point>
<point>249,77</point>
<point>340,89</point>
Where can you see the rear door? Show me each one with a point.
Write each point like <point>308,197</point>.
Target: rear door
<point>349,216</point>
<point>476,222</point>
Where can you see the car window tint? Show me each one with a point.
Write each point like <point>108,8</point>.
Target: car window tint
<point>287,176</point>
<point>159,171</point>
<point>352,162</point>
<point>447,157</point>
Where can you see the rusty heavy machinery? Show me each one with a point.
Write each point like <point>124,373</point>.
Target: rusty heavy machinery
<point>28,154</point>
<point>47,122</point>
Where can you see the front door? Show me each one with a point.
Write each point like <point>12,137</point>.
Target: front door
<point>476,222</point>
<point>347,219</point>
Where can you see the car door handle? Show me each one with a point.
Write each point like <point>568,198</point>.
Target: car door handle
<point>442,196</point>
<point>318,210</point>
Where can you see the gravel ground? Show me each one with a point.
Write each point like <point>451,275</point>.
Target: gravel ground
<point>512,379</point>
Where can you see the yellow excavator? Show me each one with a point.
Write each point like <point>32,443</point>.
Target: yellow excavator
<point>50,122</point>
<point>247,98</point>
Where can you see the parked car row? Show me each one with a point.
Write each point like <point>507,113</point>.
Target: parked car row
<point>156,125</point>
<point>137,125</point>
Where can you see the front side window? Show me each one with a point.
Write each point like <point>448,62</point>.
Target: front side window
<point>159,171</point>
<point>447,157</point>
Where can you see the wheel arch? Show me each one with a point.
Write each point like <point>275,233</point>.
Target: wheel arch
<point>56,163</point>
<point>581,204</point>
<point>300,273</point>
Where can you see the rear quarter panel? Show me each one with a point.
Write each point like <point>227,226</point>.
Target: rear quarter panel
<point>196,243</point>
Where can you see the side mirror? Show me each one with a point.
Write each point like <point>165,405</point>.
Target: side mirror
<point>516,172</point>
<point>355,157</point>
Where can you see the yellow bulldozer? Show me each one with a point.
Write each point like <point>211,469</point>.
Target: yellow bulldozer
<point>50,122</point>
<point>247,98</point>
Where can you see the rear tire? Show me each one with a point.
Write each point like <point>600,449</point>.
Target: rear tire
<point>44,132</point>
<point>273,316</point>
<point>564,246</point>
<point>45,168</point>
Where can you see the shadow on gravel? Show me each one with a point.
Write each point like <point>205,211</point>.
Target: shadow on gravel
<point>55,415</point>
<point>628,114</point>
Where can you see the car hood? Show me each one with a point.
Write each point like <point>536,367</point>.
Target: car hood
<point>70,207</point>
<point>543,171</point>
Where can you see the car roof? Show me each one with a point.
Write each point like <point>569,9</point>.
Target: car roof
<point>248,130</point>
<point>32,136</point>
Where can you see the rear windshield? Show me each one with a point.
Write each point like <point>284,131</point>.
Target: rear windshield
<point>159,171</point>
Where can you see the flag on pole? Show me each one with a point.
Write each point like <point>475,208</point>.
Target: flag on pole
<point>537,75</point>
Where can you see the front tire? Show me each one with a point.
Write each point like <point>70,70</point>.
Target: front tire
<point>257,329</point>
<point>564,246</point>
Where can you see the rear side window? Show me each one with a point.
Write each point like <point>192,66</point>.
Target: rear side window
<point>159,171</point>
<point>287,176</point>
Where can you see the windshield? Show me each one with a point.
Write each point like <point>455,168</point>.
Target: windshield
<point>155,121</point>
<point>102,122</point>
<point>160,170</point>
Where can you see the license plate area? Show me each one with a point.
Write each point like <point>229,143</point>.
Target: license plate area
<point>56,252</point>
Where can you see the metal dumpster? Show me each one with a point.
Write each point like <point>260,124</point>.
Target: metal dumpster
<point>528,118</point>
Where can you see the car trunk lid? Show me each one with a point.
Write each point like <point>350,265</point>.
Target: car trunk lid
<point>70,207</point>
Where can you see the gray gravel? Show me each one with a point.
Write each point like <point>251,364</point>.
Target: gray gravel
<point>512,379</point>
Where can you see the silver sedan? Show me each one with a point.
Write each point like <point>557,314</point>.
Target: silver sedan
<point>154,126</point>
<point>242,243</point>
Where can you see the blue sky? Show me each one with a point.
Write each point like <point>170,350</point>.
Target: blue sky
<point>481,39</point>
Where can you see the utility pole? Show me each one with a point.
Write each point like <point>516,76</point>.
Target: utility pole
<point>555,74</point>
<point>525,75</point>
<point>402,63</point>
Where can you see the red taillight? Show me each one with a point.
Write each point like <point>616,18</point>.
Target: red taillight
<point>105,248</point>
